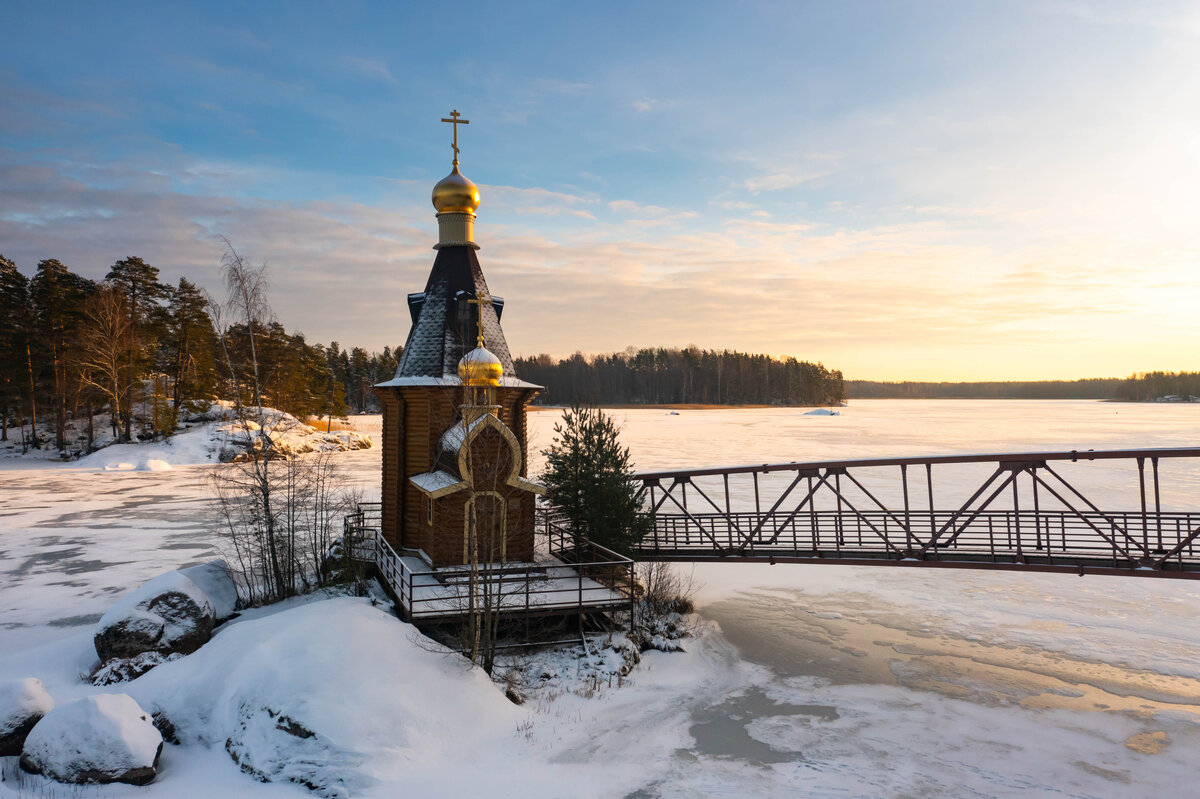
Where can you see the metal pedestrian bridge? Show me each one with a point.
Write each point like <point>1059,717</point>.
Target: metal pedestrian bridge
<point>1116,512</point>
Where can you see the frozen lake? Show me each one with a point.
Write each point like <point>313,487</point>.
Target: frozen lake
<point>889,682</point>
<point>816,680</point>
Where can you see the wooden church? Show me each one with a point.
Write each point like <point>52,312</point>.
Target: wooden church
<point>455,479</point>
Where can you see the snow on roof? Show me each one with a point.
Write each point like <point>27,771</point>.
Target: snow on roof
<point>449,381</point>
<point>437,484</point>
<point>452,440</point>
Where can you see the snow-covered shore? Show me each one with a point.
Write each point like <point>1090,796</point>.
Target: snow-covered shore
<point>209,436</point>
<point>809,680</point>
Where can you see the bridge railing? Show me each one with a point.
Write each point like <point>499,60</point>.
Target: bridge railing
<point>582,577</point>
<point>1030,511</point>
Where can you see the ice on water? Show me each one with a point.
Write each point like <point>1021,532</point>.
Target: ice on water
<point>937,682</point>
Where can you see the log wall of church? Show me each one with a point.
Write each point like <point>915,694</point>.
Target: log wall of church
<point>414,419</point>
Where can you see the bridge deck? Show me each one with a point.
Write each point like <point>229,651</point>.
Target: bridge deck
<point>1027,515</point>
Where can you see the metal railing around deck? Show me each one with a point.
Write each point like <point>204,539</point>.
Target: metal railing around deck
<point>1028,514</point>
<point>579,577</point>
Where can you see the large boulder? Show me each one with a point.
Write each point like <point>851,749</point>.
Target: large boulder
<point>215,579</point>
<point>103,738</point>
<point>167,614</point>
<point>22,705</point>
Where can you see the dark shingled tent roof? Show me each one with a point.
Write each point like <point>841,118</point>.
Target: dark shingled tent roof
<point>444,324</point>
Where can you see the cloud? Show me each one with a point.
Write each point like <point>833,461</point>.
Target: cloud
<point>780,180</point>
<point>731,205</point>
<point>374,68</point>
<point>647,104</point>
<point>884,301</point>
<point>648,216</point>
<point>537,201</point>
<point>558,86</point>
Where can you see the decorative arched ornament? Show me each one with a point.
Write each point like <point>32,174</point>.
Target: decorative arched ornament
<point>458,440</point>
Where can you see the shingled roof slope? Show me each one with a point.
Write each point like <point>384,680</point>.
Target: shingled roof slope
<point>445,325</point>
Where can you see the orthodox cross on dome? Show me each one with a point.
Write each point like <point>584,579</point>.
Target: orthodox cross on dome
<point>455,121</point>
<point>480,301</point>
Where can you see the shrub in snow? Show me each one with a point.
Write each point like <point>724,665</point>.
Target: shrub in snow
<point>22,705</point>
<point>167,614</point>
<point>104,738</point>
<point>216,581</point>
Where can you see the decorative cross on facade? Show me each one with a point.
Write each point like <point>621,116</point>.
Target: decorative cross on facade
<point>480,301</point>
<point>455,121</point>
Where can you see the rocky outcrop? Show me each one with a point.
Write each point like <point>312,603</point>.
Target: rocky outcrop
<point>271,746</point>
<point>126,669</point>
<point>22,705</point>
<point>215,579</point>
<point>168,614</point>
<point>104,738</point>
<point>244,432</point>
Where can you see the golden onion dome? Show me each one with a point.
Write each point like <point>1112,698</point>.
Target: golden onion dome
<point>480,367</point>
<point>455,194</point>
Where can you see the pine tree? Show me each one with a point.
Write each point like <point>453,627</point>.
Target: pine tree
<point>188,352</point>
<point>58,300</point>
<point>138,282</point>
<point>590,480</point>
<point>15,323</point>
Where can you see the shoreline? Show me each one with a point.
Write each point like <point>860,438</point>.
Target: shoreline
<point>671,406</point>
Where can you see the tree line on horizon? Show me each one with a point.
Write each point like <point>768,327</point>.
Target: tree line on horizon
<point>1138,387</point>
<point>140,350</point>
<point>662,376</point>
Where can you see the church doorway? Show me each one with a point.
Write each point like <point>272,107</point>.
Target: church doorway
<point>488,511</point>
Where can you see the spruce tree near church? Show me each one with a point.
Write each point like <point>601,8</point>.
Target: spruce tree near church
<point>589,480</point>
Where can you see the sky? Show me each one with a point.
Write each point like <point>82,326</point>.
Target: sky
<point>928,190</point>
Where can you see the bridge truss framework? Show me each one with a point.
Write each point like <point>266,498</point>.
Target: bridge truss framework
<point>1027,515</point>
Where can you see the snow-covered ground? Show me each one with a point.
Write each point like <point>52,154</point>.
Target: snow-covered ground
<point>204,437</point>
<point>810,681</point>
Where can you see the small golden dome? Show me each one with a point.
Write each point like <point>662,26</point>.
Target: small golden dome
<point>455,194</point>
<point>479,367</point>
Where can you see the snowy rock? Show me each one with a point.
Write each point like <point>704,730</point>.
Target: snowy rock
<point>288,436</point>
<point>167,614</point>
<point>103,738</point>
<point>308,695</point>
<point>126,669</point>
<point>216,581</point>
<point>22,705</point>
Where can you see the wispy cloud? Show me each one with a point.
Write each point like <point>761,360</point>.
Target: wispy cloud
<point>843,296</point>
<point>559,86</point>
<point>648,216</point>
<point>780,180</point>
<point>373,68</point>
<point>538,201</point>
<point>645,105</point>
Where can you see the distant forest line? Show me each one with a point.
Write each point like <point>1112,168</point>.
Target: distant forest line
<point>136,349</point>
<point>671,376</point>
<point>1139,387</point>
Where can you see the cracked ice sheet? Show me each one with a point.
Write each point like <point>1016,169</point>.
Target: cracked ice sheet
<point>74,537</point>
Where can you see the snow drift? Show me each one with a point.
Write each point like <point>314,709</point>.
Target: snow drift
<point>103,738</point>
<point>332,695</point>
<point>23,703</point>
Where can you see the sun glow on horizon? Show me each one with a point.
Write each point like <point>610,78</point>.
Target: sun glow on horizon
<point>978,194</point>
